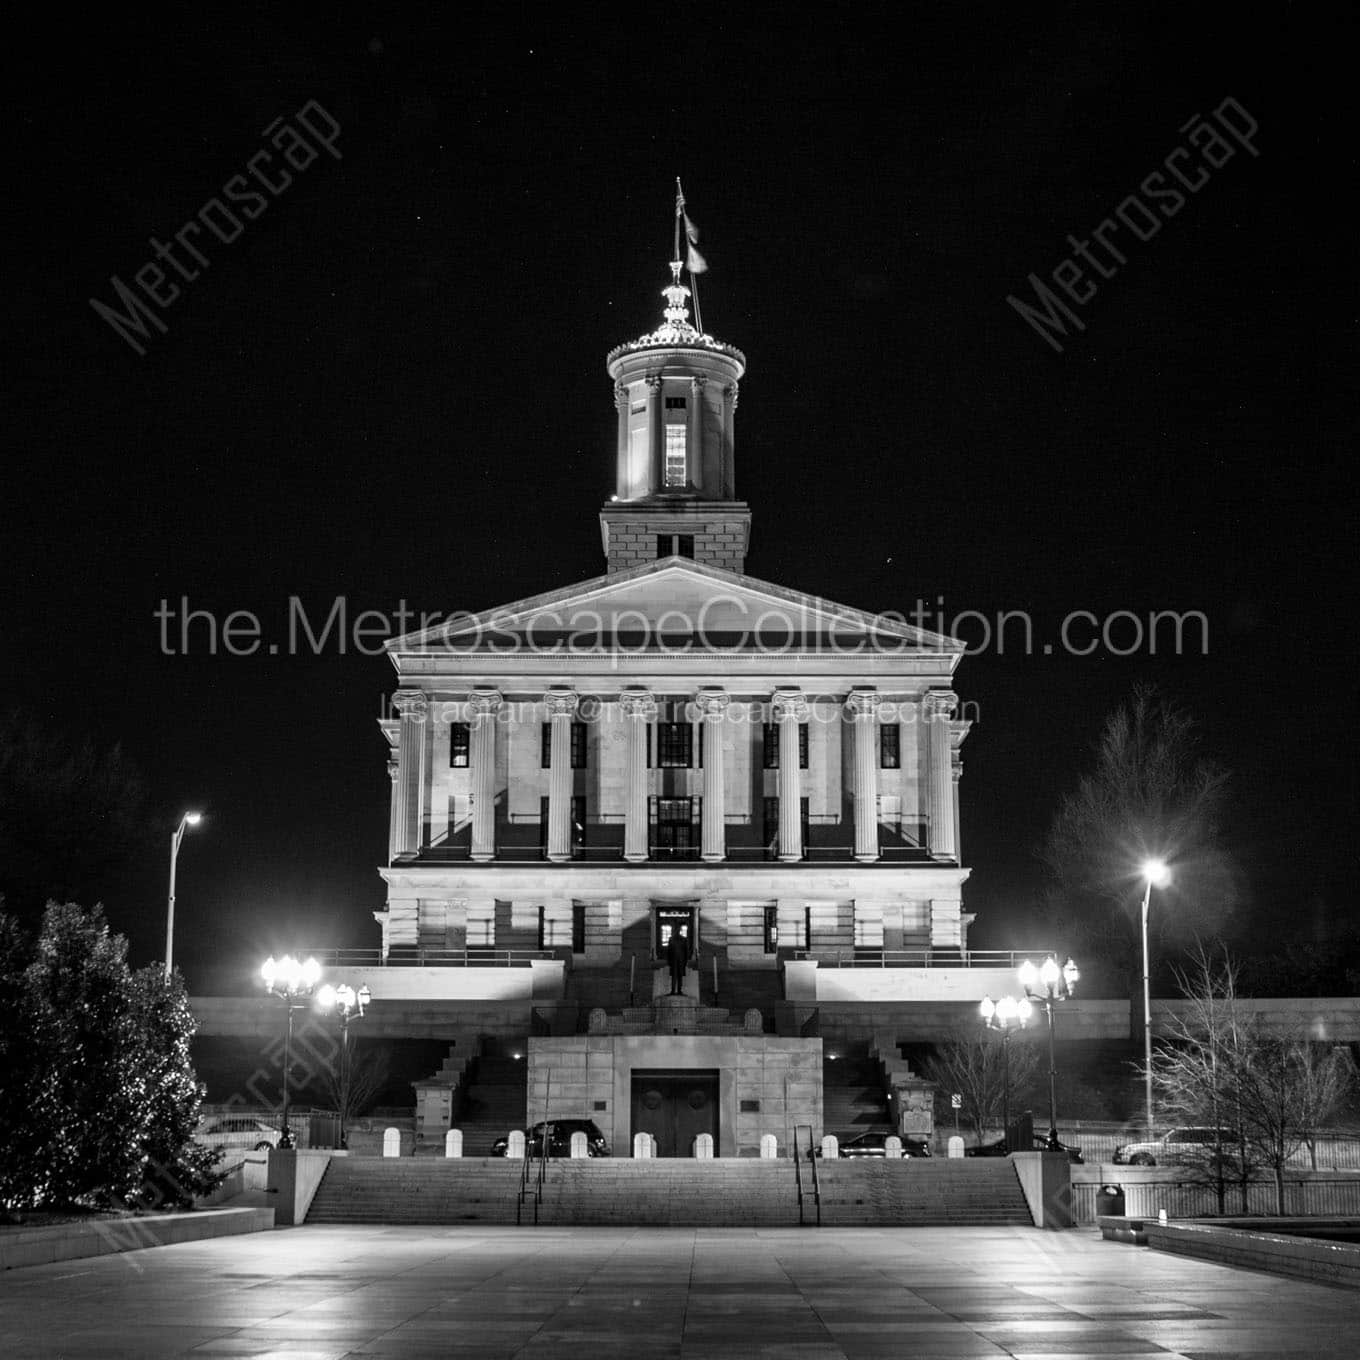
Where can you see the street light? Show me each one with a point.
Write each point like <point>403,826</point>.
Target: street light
<point>1002,1015</point>
<point>345,1002</point>
<point>289,980</point>
<point>1047,985</point>
<point>1155,875</point>
<point>189,819</point>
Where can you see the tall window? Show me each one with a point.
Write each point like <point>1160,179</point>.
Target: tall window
<point>771,929</point>
<point>772,746</point>
<point>578,927</point>
<point>578,746</point>
<point>674,745</point>
<point>458,746</point>
<point>676,471</point>
<point>889,746</point>
<point>673,823</point>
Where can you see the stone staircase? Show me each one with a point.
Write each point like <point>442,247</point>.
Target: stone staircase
<point>493,1101</point>
<point>853,1097</point>
<point>678,1192</point>
<point>417,1190</point>
<point>939,1192</point>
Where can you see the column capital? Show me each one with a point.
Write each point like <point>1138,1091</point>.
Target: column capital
<point>790,705</point>
<point>411,703</point>
<point>940,703</point>
<point>561,703</point>
<point>862,704</point>
<point>654,382</point>
<point>484,701</point>
<point>712,704</point>
<point>697,382</point>
<point>731,392</point>
<point>393,768</point>
<point>638,703</point>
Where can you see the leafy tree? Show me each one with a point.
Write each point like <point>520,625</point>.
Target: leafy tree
<point>1151,794</point>
<point>72,818</point>
<point>99,1095</point>
<point>1270,1093</point>
<point>973,1066</point>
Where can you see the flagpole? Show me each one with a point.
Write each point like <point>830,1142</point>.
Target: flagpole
<point>679,208</point>
<point>693,281</point>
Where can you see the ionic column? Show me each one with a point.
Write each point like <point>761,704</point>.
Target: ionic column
<point>561,706</point>
<point>790,710</point>
<point>712,711</point>
<point>639,708</point>
<point>483,706</point>
<point>862,706</point>
<point>411,705</point>
<point>694,436</point>
<point>656,419</point>
<point>938,708</point>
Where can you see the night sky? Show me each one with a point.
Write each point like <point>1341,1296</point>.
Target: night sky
<point>391,388</point>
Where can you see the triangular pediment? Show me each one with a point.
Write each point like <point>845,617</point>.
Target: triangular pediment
<point>668,605</point>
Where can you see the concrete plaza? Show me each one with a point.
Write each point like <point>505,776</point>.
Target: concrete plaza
<point>701,1294</point>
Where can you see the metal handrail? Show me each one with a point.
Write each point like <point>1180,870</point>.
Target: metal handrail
<point>816,1179</point>
<point>798,1166</point>
<point>403,956</point>
<point>524,1183</point>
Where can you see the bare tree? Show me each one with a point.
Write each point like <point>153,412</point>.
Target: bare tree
<point>352,1086</point>
<point>1150,794</point>
<point>1267,1094</point>
<point>974,1066</point>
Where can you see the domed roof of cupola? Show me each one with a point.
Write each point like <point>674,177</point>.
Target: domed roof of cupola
<point>676,331</point>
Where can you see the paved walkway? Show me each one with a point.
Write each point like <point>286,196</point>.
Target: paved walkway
<point>698,1294</point>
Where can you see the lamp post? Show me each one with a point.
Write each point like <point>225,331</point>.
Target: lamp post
<point>189,819</point>
<point>1155,875</point>
<point>1046,985</point>
<point>1002,1015</point>
<point>346,1003</point>
<point>289,980</point>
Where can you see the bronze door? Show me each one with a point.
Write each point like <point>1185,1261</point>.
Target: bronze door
<point>675,1107</point>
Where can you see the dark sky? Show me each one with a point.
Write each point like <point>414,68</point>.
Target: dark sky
<point>391,389</point>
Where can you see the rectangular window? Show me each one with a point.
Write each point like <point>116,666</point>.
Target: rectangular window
<point>578,746</point>
<point>675,403</point>
<point>674,745</point>
<point>771,929</point>
<point>772,746</point>
<point>677,473</point>
<point>578,927</point>
<point>578,819</point>
<point>889,748</point>
<point>675,545</point>
<point>459,745</point>
<point>542,823</point>
<point>673,823</point>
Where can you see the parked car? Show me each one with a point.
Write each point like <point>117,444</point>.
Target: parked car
<point>242,1132</point>
<point>559,1142</point>
<point>1195,1145</point>
<point>873,1145</point>
<point>999,1149</point>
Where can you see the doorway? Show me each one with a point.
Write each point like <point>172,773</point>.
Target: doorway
<point>675,1107</point>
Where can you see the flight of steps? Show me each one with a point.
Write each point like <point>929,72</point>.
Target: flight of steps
<point>493,1100</point>
<point>417,1190</point>
<point>922,1193</point>
<point>671,1192</point>
<point>853,1097</point>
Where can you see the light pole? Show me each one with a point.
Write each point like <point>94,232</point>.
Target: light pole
<point>1047,985</point>
<point>189,819</point>
<point>289,980</point>
<point>1002,1015</point>
<point>1155,875</point>
<point>345,1002</point>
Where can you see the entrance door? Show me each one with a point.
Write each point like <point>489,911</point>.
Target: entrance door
<point>675,1107</point>
<point>673,917</point>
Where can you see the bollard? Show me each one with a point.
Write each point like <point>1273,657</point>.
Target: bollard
<point>514,1145</point>
<point>453,1143</point>
<point>955,1146</point>
<point>703,1146</point>
<point>391,1142</point>
<point>642,1145</point>
<point>769,1145</point>
<point>579,1147</point>
<point>831,1149</point>
<point>892,1147</point>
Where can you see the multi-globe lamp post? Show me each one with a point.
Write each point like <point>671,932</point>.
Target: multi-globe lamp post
<point>176,836</point>
<point>347,1004</point>
<point>1046,985</point>
<point>1006,1015</point>
<point>1155,875</point>
<point>291,981</point>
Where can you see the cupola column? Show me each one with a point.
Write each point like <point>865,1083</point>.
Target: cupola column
<point>790,711</point>
<point>561,706</point>
<point>482,707</point>
<point>694,437</point>
<point>712,706</point>
<point>938,706</point>
<point>656,434</point>
<point>639,708</point>
<point>409,790</point>
<point>862,706</point>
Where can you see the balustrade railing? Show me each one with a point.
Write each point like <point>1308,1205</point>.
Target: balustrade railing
<point>868,957</point>
<point>414,956</point>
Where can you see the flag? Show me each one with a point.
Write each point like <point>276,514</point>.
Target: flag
<point>694,262</point>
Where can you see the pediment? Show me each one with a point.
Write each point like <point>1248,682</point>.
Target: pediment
<point>673,605</point>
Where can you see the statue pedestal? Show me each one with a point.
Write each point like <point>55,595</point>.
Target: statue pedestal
<point>661,982</point>
<point>675,1014</point>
